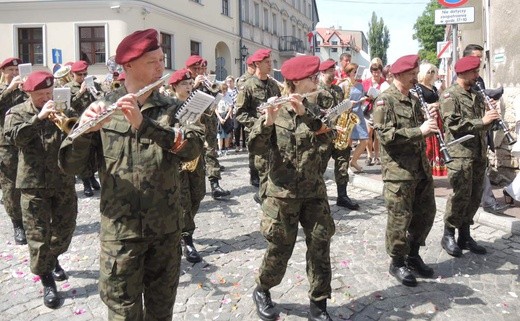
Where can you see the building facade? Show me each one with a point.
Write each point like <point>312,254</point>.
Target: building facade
<point>332,42</point>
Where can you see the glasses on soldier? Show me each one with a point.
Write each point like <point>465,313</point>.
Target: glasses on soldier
<point>82,74</point>
<point>313,77</point>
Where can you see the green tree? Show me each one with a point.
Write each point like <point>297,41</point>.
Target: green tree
<point>427,33</point>
<point>378,38</point>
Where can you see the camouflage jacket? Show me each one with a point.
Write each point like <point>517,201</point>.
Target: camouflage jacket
<point>331,97</point>
<point>80,102</point>
<point>462,113</point>
<point>294,151</point>
<point>397,119</point>
<point>242,79</point>
<point>8,100</point>
<point>139,170</point>
<point>252,94</point>
<point>39,142</point>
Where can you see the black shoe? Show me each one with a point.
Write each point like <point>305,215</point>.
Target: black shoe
<point>466,242</point>
<point>448,242</point>
<point>94,183</point>
<point>496,209</point>
<point>318,311</point>
<point>255,181</point>
<point>190,252</point>
<point>51,298</point>
<point>416,263</point>
<point>19,233</point>
<point>345,201</point>
<point>257,199</point>
<point>87,189</point>
<point>399,270</point>
<point>222,168</point>
<point>59,273</point>
<point>264,305</point>
<point>217,191</point>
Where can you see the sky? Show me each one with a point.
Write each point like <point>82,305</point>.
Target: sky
<point>398,15</point>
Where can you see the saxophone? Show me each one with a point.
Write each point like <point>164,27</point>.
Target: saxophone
<point>346,121</point>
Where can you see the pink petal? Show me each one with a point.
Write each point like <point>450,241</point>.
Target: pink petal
<point>36,278</point>
<point>79,311</point>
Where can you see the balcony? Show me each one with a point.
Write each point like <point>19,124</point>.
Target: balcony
<point>289,46</point>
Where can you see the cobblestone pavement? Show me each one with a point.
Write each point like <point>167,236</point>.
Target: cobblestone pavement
<point>471,287</point>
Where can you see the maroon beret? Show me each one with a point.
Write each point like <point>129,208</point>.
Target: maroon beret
<point>137,44</point>
<point>179,75</point>
<point>467,63</point>
<point>327,64</point>
<point>79,66</point>
<point>405,63</point>
<point>300,67</point>
<point>248,61</point>
<point>122,76</point>
<point>38,80</point>
<point>260,55</point>
<point>193,60</point>
<point>10,62</point>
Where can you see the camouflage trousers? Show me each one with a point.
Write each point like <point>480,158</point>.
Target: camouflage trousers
<point>140,269</point>
<point>10,194</point>
<point>411,211</point>
<point>261,163</point>
<point>341,162</point>
<point>193,190</point>
<point>279,225</point>
<point>466,177</point>
<point>210,149</point>
<point>49,219</point>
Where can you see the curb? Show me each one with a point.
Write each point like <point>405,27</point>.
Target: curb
<point>504,223</point>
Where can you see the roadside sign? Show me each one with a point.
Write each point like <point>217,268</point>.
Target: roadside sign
<point>452,3</point>
<point>56,56</point>
<point>454,16</point>
<point>443,49</point>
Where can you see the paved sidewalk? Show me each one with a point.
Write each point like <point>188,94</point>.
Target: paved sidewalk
<point>471,287</point>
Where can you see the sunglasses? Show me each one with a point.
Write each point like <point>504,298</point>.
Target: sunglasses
<point>83,74</point>
<point>431,72</point>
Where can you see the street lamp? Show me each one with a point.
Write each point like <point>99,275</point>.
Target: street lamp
<point>244,51</point>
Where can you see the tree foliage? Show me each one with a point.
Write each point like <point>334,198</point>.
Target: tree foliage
<point>427,33</point>
<point>378,38</point>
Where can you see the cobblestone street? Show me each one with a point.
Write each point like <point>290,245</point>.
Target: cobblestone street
<point>472,287</point>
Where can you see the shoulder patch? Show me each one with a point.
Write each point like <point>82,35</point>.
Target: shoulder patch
<point>446,95</point>
<point>380,103</point>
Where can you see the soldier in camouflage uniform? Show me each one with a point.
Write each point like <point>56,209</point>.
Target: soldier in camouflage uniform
<point>463,112</point>
<point>49,203</point>
<point>10,95</point>
<point>332,96</point>
<point>255,91</point>
<point>81,98</point>
<point>193,183</point>
<point>296,191</point>
<point>141,216</point>
<point>195,64</point>
<point>408,183</point>
<point>250,72</point>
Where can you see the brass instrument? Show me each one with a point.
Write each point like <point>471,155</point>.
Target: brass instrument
<point>115,84</point>
<point>209,83</point>
<point>63,76</point>
<point>283,100</point>
<point>346,122</point>
<point>191,165</point>
<point>61,96</point>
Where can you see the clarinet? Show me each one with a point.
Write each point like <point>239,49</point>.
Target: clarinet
<point>440,136</point>
<point>510,139</point>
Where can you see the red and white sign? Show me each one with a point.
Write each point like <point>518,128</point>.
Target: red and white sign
<point>443,49</point>
<point>452,3</point>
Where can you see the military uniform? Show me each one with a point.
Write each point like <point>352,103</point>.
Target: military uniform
<point>242,79</point>
<point>141,219</point>
<point>251,95</point>
<point>462,113</point>
<point>9,162</point>
<point>296,192</point>
<point>49,202</point>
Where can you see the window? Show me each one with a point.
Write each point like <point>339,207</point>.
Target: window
<point>257,15</point>
<point>197,1</point>
<point>266,19</point>
<point>334,43</point>
<point>92,44</point>
<point>284,27</point>
<point>318,43</point>
<point>334,49</point>
<point>195,48</point>
<point>275,24</point>
<point>317,49</point>
<point>246,11</point>
<point>225,7</point>
<point>30,45</point>
<point>166,45</point>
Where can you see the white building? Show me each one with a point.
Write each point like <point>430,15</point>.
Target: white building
<point>332,42</point>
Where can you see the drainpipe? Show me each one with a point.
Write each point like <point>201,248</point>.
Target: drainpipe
<point>240,36</point>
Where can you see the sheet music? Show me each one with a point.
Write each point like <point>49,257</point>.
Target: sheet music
<point>62,96</point>
<point>359,72</point>
<point>194,106</point>
<point>373,93</point>
<point>24,70</point>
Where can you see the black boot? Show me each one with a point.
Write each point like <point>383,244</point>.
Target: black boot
<point>87,189</point>
<point>59,273</point>
<point>216,190</point>
<point>448,242</point>
<point>399,270</point>
<point>51,298</point>
<point>254,179</point>
<point>257,198</point>
<point>415,263</point>
<point>264,305</point>
<point>94,183</point>
<point>190,252</point>
<point>466,242</point>
<point>343,199</point>
<point>19,233</point>
<point>318,311</point>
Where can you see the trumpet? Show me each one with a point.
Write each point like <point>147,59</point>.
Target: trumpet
<point>64,123</point>
<point>80,130</point>
<point>209,83</point>
<point>509,137</point>
<point>91,87</point>
<point>284,100</point>
<point>63,76</point>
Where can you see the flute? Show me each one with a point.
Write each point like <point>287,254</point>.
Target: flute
<point>510,139</point>
<point>440,136</point>
<point>80,130</point>
<point>283,100</point>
